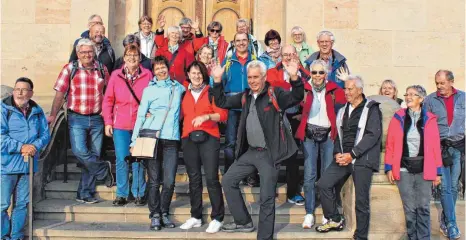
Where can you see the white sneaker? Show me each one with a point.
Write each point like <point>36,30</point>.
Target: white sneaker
<point>324,220</point>
<point>308,221</point>
<point>214,226</point>
<point>190,223</point>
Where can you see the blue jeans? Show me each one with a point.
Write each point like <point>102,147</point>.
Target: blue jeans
<point>311,149</point>
<point>86,136</point>
<point>19,185</point>
<point>122,139</point>
<point>449,192</point>
<point>230,137</point>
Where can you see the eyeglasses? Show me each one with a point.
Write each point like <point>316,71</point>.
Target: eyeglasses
<point>315,72</point>
<point>215,30</point>
<point>86,52</point>
<point>21,90</point>
<point>326,42</point>
<point>412,95</point>
<point>132,56</point>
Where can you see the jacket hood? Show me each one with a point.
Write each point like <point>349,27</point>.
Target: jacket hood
<point>8,104</point>
<point>163,83</point>
<point>427,116</point>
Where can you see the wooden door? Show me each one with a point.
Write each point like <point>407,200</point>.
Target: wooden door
<point>227,12</point>
<point>173,10</point>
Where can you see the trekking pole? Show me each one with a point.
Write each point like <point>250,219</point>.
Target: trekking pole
<point>30,160</point>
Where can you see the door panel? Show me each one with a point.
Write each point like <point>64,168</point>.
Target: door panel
<point>173,10</point>
<point>227,12</point>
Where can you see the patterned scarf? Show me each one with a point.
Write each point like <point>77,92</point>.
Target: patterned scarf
<point>318,88</point>
<point>198,89</point>
<point>173,49</point>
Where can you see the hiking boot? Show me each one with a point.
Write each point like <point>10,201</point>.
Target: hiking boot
<point>109,180</point>
<point>166,221</point>
<point>120,201</point>
<point>140,201</point>
<point>331,226</point>
<point>155,223</point>
<point>233,227</point>
<point>298,200</point>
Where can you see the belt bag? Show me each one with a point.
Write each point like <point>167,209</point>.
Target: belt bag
<point>413,164</point>
<point>147,140</point>
<point>198,136</point>
<point>317,133</point>
<point>146,144</point>
<point>455,142</point>
<point>447,158</point>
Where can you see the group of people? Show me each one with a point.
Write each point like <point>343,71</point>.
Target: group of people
<point>271,100</point>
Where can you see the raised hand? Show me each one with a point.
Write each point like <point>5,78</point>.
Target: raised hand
<point>161,22</point>
<point>216,72</point>
<point>292,68</point>
<point>195,24</point>
<point>342,74</point>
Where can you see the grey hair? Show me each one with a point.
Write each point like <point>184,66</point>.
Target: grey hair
<point>358,81</point>
<point>215,24</point>
<point>328,33</point>
<point>242,20</point>
<point>202,48</point>
<point>393,84</point>
<point>185,21</point>
<point>419,89</point>
<point>93,16</point>
<point>257,64</point>
<point>131,38</point>
<point>298,29</point>
<point>319,62</point>
<point>448,74</point>
<point>86,42</point>
<point>174,29</point>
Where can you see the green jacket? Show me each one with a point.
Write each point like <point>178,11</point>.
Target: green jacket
<point>305,53</point>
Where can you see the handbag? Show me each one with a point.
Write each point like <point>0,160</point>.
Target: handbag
<point>198,136</point>
<point>317,133</point>
<point>147,140</point>
<point>413,164</point>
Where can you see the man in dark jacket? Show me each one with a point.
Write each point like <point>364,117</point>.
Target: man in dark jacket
<point>105,53</point>
<point>335,60</point>
<point>357,153</point>
<point>133,39</point>
<point>264,140</point>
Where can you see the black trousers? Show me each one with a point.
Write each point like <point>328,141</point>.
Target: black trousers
<point>362,177</point>
<point>293,177</point>
<point>207,154</point>
<point>167,159</point>
<point>249,162</point>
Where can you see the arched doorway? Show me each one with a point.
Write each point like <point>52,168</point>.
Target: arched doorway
<point>224,11</point>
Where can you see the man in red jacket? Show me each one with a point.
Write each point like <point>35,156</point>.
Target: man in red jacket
<point>279,77</point>
<point>187,37</point>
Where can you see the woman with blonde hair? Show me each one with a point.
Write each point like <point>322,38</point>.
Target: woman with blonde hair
<point>298,37</point>
<point>388,88</point>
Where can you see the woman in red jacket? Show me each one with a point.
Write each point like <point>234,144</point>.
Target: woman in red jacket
<point>413,160</point>
<point>215,40</point>
<point>178,58</point>
<point>201,145</point>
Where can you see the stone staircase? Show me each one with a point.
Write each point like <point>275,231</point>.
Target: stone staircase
<point>59,216</point>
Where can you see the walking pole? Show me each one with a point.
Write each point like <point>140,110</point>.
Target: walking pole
<point>30,160</point>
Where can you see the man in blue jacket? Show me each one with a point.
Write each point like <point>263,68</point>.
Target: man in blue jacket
<point>235,81</point>
<point>24,134</point>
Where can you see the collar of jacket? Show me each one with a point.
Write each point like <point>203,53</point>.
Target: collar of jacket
<point>235,58</point>
<point>400,115</point>
<point>338,57</point>
<point>264,90</point>
<point>189,38</point>
<point>329,86</point>
<point>9,102</point>
<point>121,72</point>
<point>161,83</point>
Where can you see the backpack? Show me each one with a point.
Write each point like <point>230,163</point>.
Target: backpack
<point>75,68</point>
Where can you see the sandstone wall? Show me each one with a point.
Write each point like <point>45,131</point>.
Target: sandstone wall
<point>406,40</point>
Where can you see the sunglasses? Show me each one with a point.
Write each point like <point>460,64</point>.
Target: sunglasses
<point>315,72</point>
<point>215,30</point>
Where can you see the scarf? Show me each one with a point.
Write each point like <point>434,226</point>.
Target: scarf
<point>173,49</point>
<point>318,88</point>
<point>129,76</point>
<point>198,89</point>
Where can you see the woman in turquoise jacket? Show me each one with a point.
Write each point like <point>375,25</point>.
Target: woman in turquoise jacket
<point>155,101</point>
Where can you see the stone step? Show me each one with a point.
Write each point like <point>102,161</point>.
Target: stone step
<point>69,210</point>
<point>60,190</point>
<point>60,230</point>
<point>74,173</point>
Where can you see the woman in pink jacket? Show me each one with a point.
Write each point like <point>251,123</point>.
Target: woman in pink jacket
<point>120,107</point>
<point>413,160</point>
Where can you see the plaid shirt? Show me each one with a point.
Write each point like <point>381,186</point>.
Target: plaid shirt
<point>85,94</point>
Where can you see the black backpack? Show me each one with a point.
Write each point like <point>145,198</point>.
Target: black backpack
<point>75,68</point>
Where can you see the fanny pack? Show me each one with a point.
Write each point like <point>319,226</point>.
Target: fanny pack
<point>317,133</point>
<point>198,136</point>
<point>456,142</point>
<point>413,164</point>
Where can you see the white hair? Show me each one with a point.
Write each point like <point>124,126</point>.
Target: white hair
<point>298,29</point>
<point>319,62</point>
<point>327,33</point>
<point>174,29</point>
<point>93,16</point>
<point>257,64</point>
<point>86,42</point>
<point>358,81</point>
<point>186,21</point>
<point>242,20</point>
